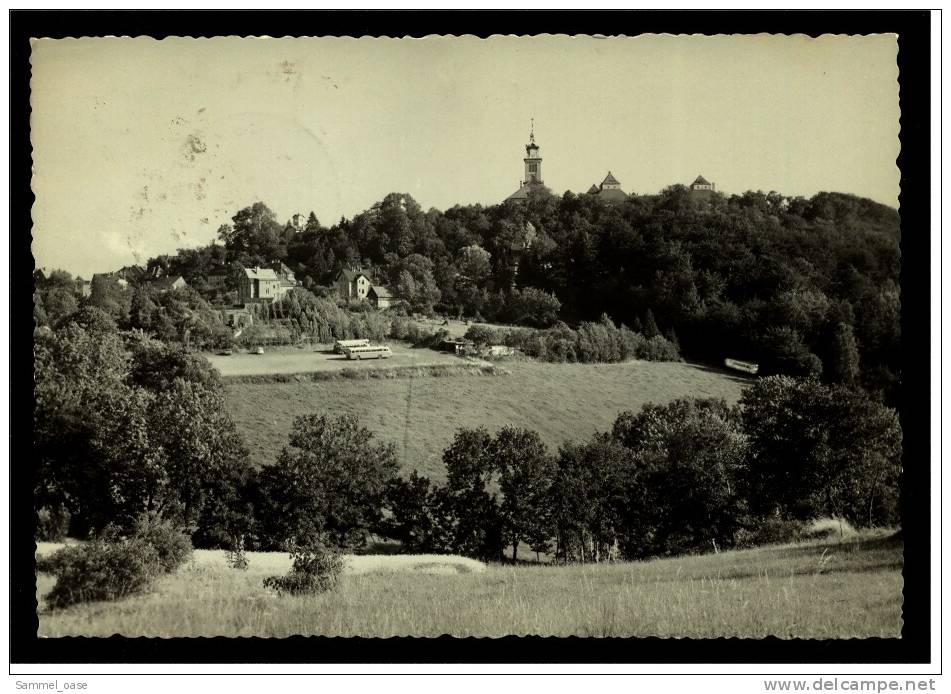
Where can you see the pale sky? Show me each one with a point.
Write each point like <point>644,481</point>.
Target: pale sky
<point>145,146</point>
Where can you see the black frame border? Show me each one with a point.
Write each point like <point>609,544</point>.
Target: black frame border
<point>913,30</point>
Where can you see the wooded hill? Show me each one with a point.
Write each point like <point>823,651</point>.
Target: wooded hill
<point>802,286</point>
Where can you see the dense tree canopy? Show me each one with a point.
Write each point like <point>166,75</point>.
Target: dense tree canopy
<point>330,483</point>
<point>756,276</point>
<point>124,425</point>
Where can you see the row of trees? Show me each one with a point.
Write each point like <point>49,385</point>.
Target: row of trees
<point>601,342</point>
<point>179,316</point>
<point>125,425</point>
<point>693,475</point>
<point>803,287</point>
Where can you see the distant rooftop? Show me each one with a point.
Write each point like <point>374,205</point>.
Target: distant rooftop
<point>261,273</point>
<point>351,275</point>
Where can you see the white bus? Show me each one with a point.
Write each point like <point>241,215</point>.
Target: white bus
<point>368,352</point>
<point>340,346</point>
<point>747,366</point>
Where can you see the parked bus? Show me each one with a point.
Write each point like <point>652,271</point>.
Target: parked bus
<point>747,366</point>
<point>368,352</point>
<point>340,346</point>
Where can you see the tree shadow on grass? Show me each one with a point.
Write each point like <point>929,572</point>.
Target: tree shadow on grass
<point>722,372</point>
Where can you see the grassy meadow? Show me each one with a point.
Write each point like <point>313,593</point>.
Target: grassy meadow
<point>320,358</point>
<point>820,589</point>
<point>420,415</point>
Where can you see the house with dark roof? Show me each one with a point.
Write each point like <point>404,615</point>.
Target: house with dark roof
<point>381,297</point>
<point>132,274</point>
<point>353,285</point>
<point>260,284</point>
<point>168,283</point>
<point>609,190</point>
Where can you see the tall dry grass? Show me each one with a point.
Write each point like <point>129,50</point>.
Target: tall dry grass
<point>819,589</point>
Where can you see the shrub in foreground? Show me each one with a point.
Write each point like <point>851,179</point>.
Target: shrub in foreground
<point>236,557</point>
<point>172,546</point>
<point>110,566</point>
<point>316,569</point>
<point>100,570</point>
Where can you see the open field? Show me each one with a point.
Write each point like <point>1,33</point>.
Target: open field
<point>290,360</point>
<point>421,415</point>
<point>820,589</point>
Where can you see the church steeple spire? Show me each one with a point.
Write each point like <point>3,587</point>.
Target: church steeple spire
<point>533,162</point>
<point>532,182</point>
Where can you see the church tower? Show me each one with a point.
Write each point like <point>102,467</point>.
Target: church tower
<point>533,162</point>
<point>532,183</point>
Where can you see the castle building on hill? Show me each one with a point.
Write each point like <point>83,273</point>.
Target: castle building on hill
<point>700,183</point>
<point>609,190</point>
<point>533,181</point>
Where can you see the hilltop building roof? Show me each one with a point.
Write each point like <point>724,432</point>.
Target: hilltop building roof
<point>261,273</point>
<point>609,190</point>
<point>169,282</point>
<point>350,275</point>
<point>527,189</point>
<point>383,292</point>
<point>612,195</point>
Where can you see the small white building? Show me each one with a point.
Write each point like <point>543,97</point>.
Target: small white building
<point>353,285</point>
<point>168,283</point>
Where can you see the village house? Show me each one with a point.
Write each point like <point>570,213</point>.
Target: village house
<point>381,297</point>
<point>353,285</point>
<point>168,283</point>
<point>285,274</point>
<point>260,284</point>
